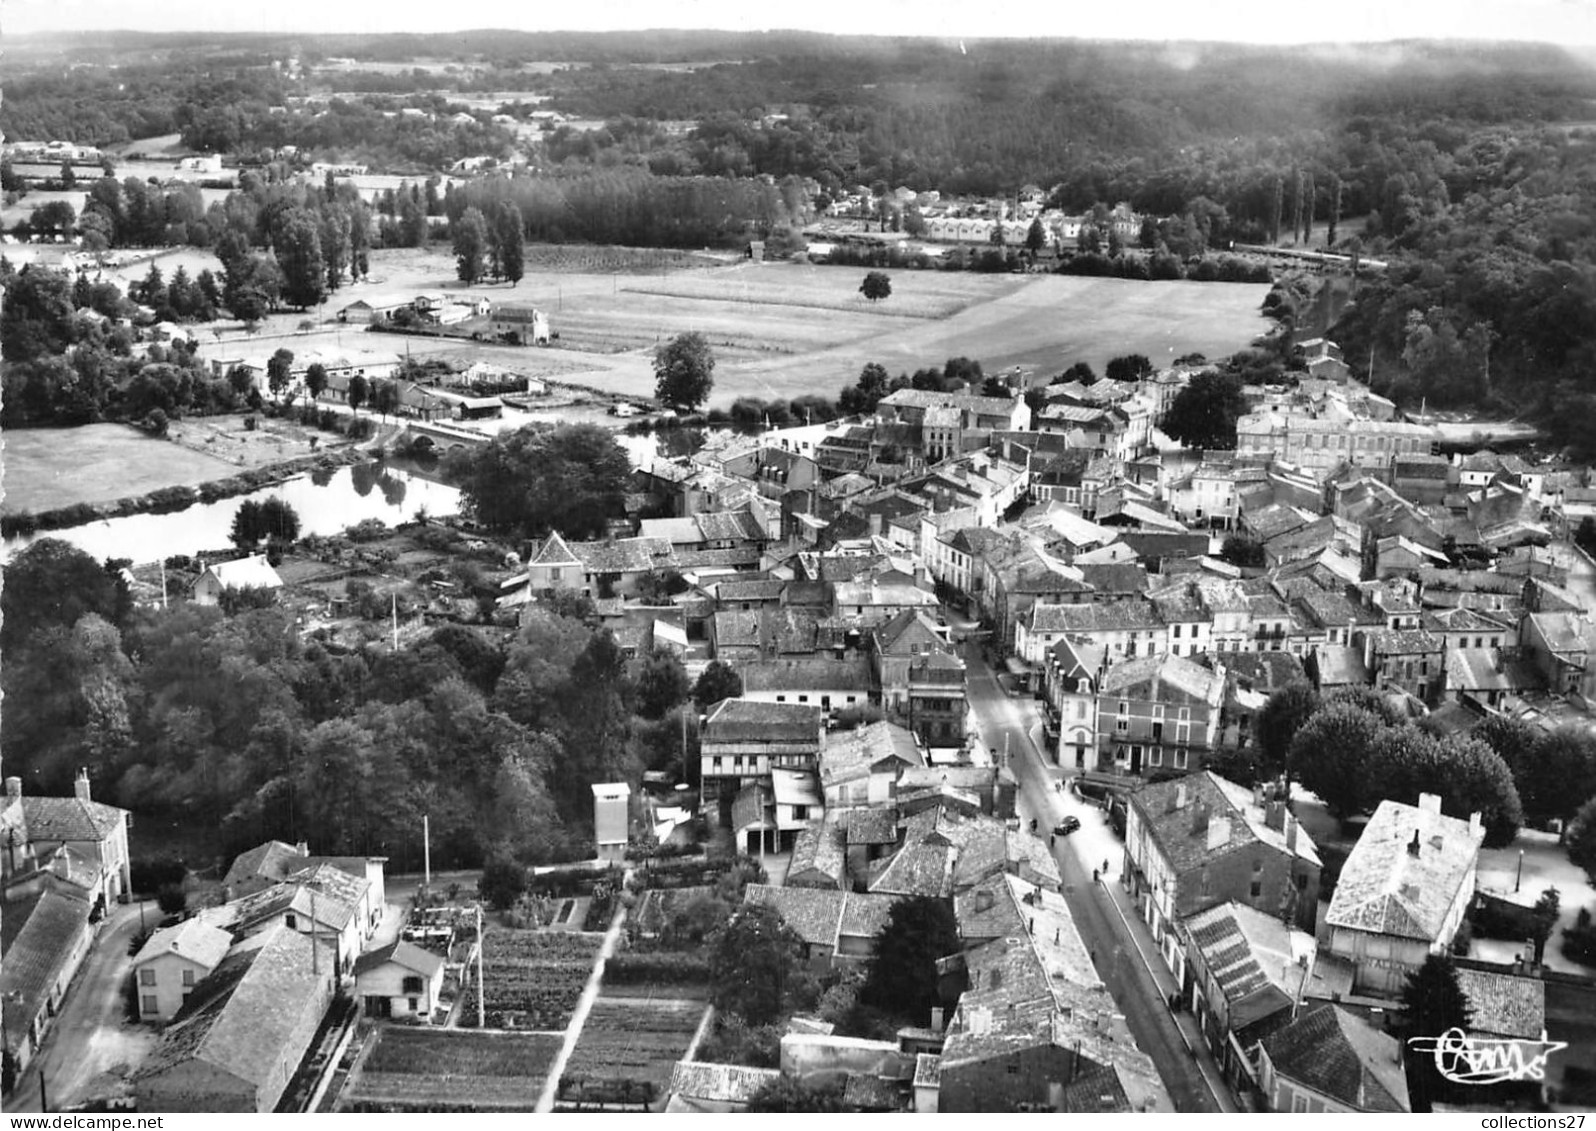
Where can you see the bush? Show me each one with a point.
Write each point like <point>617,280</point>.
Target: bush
<point>1579,941</point>
<point>629,968</point>
<point>172,899</point>
<point>149,875</point>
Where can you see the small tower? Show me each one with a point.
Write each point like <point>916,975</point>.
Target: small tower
<point>611,820</point>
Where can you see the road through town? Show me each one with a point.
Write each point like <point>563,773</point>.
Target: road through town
<point>1002,718</point>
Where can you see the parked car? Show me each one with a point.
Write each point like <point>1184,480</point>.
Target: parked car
<point>1066,826</point>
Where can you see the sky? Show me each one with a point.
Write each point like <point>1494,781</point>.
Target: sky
<point>1568,22</point>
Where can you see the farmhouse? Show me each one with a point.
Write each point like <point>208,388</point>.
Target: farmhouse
<point>173,962</point>
<point>253,572</point>
<point>239,1038</point>
<point>523,325</point>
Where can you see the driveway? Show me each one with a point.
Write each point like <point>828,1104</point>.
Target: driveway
<point>92,1037</point>
<point>1001,719</point>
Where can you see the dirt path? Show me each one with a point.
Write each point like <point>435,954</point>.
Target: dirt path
<point>573,1031</point>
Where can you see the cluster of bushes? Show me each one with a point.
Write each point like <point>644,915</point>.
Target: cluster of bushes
<point>673,967</point>
<point>1225,269</point>
<point>1579,941</point>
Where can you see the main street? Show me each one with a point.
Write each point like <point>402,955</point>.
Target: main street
<point>1002,719</point>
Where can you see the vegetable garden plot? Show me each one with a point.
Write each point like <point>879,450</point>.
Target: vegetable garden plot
<point>534,978</point>
<point>446,1069</point>
<point>628,1047</point>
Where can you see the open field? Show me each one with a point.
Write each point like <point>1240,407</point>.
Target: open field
<point>424,1069</point>
<point>629,1045</point>
<point>47,468</point>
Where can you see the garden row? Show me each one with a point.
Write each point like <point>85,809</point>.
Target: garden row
<point>428,1069</point>
<point>534,978</point>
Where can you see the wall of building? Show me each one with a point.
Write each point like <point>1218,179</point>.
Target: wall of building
<point>1001,1083</point>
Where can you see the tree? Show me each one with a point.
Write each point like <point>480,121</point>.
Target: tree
<point>299,255</point>
<point>1280,720</point>
<point>1330,754</point>
<point>571,478</point>
<point>316,379</point>
<point>684,371</point>
<point>503,880</point>
<point>1205,412</point>
<point>1276,199</point>
<point>877,285</point>
<point>1468,776</point>
<point>270,519</point>
<point>1544,917</point>
<point>470,245</point>
<point>278,369</point>
<point>718,681</point>
<point>171,899</point>
<point>69,179</point>
<point>789,1094</point>
<point>1581,838</point>
<point>1556,776</point>
<point>1035,236</point>
<point>1240,550</point>
<point>863,396</point>
<point>920,931</point>
<point>755,964</point>
<point>1080,371</point>
<point>357,393</point>
<point>51,584</point>
<point>1432,1003</point>
<point>662,683</point>
<point>1131,367</point>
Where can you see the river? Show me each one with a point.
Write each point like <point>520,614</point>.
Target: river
<point>326,502</point>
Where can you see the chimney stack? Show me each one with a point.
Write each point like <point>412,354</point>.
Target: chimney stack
<point>13,788</point>
<point>1430,803</point>
<point>936,1018</point>
<point>80,785</point>
<point>1476,826</point>
<point>1199,819</point>
<point>1275,816</point>
<point>1291,834</point>
<point>1413,846</point>
<point>1180,796</point>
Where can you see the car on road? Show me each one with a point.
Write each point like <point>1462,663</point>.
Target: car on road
<point>1066,826</point>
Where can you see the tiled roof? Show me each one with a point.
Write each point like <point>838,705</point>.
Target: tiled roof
<point>402,953</point>
<point>744,720</point>
<point>865,915</point>
<point>920,867</point>
<point>873,826</point>
<point>1340,664</point>
<point>624,555</point>
<point>270,861</point>
<point>253,572</point>
<point>1504,1005</point>
<point>194,940</point>
<point>820,850</point>
<point>38,933</point>
<point>1386,889</point>
<point>1254,959</point>
<point>1156,676</point>
<point>1177,833</point>
<point>1116,616</point>
<point>70,818</point>
<point>806,674</point>
<point>1343,1057</point>
<point>242,1016</point>
<point>726,1083</point>
<point>814,914</point>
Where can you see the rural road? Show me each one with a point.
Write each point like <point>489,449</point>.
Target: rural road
<point>92,1034</point>
<point>1105,933</point>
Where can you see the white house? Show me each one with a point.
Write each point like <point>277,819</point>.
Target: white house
<point>253,572</point>
<point>399,980</point>
<point>173,962</point>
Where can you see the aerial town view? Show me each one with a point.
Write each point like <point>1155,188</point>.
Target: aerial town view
<point>680,567</point>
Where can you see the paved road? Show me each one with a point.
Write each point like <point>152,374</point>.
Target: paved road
<point>1000,716</point>
<point>92,1034</point>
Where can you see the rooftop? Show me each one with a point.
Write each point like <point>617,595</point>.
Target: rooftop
<point>1342,1056</point>
<point>745,720</point>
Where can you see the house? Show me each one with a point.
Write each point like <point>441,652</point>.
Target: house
<point>894,644</point>
<point>519,324</point>
<point>742,740</point>
<point>91,835</point>
<point>697,1086</point>
<point>1199,841</point>
<point>1403,892</point>
<point>1559,645</point>
<point>172,962</point>
<point>861,767</point>
<point>302,908</point>
<point>1412,660</point>
<point>612,820</point>
<point>1156,712</point>
<point>600,568</point>
<point>837,928</point>
<point>1502,1005</point>
<point>1249,972</point>
<point>819,855</point>
<point>835,685</point>
<point>45,932</point>
<point>376,309</point>
<point>253,572</point>
<point>1330,1059</point>
<point>240,1037</point>
<point>399,980</point>
<point>273,862</point>
<point>937,702</point>
<point>1069,685</point>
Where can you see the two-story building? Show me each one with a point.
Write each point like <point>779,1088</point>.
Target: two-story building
<point>399,980</point>
<point>1199,841</point>
<point>1158,712</point>
<point>1403,892</point>
<point>1331,1059</point>
<point>743,740</point>
<point>172,962</point>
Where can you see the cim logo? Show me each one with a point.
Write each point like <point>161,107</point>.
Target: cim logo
<point>1486,1060</point>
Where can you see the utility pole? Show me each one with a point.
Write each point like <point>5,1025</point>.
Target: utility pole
<point>394,598</point>
<point>426,851</point>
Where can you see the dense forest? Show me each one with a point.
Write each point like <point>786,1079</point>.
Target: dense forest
<point>186,711</point>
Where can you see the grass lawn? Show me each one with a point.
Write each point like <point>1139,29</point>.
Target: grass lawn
<point>47,468</point>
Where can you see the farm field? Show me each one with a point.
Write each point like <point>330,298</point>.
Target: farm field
<point>97,463</point>
<point>629,1044</point>
<point>422,1069</point>
<point>534,978</point>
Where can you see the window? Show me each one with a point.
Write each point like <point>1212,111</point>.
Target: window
<point>1256,888</point>
<point>146,977</point>
<point>188,977</point>
<point>152,1007</point>
<point>1299,1101</point>
<point>1121,724</point>
<point>414,1005</point>
<point>554,573</point>
<point>803,698</point>
<point>1013,1069</point>
<point>1157,756</point>
<point>411,985</point>
<point>1177,632</point>
<point>292,921</point>
<point>781,698</point>
<point>1124,707</point>
<point>1180,758</point>
<point>1158,729</point>
<point>825,701</point>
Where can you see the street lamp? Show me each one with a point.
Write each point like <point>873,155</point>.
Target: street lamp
<point>1520,877</point>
